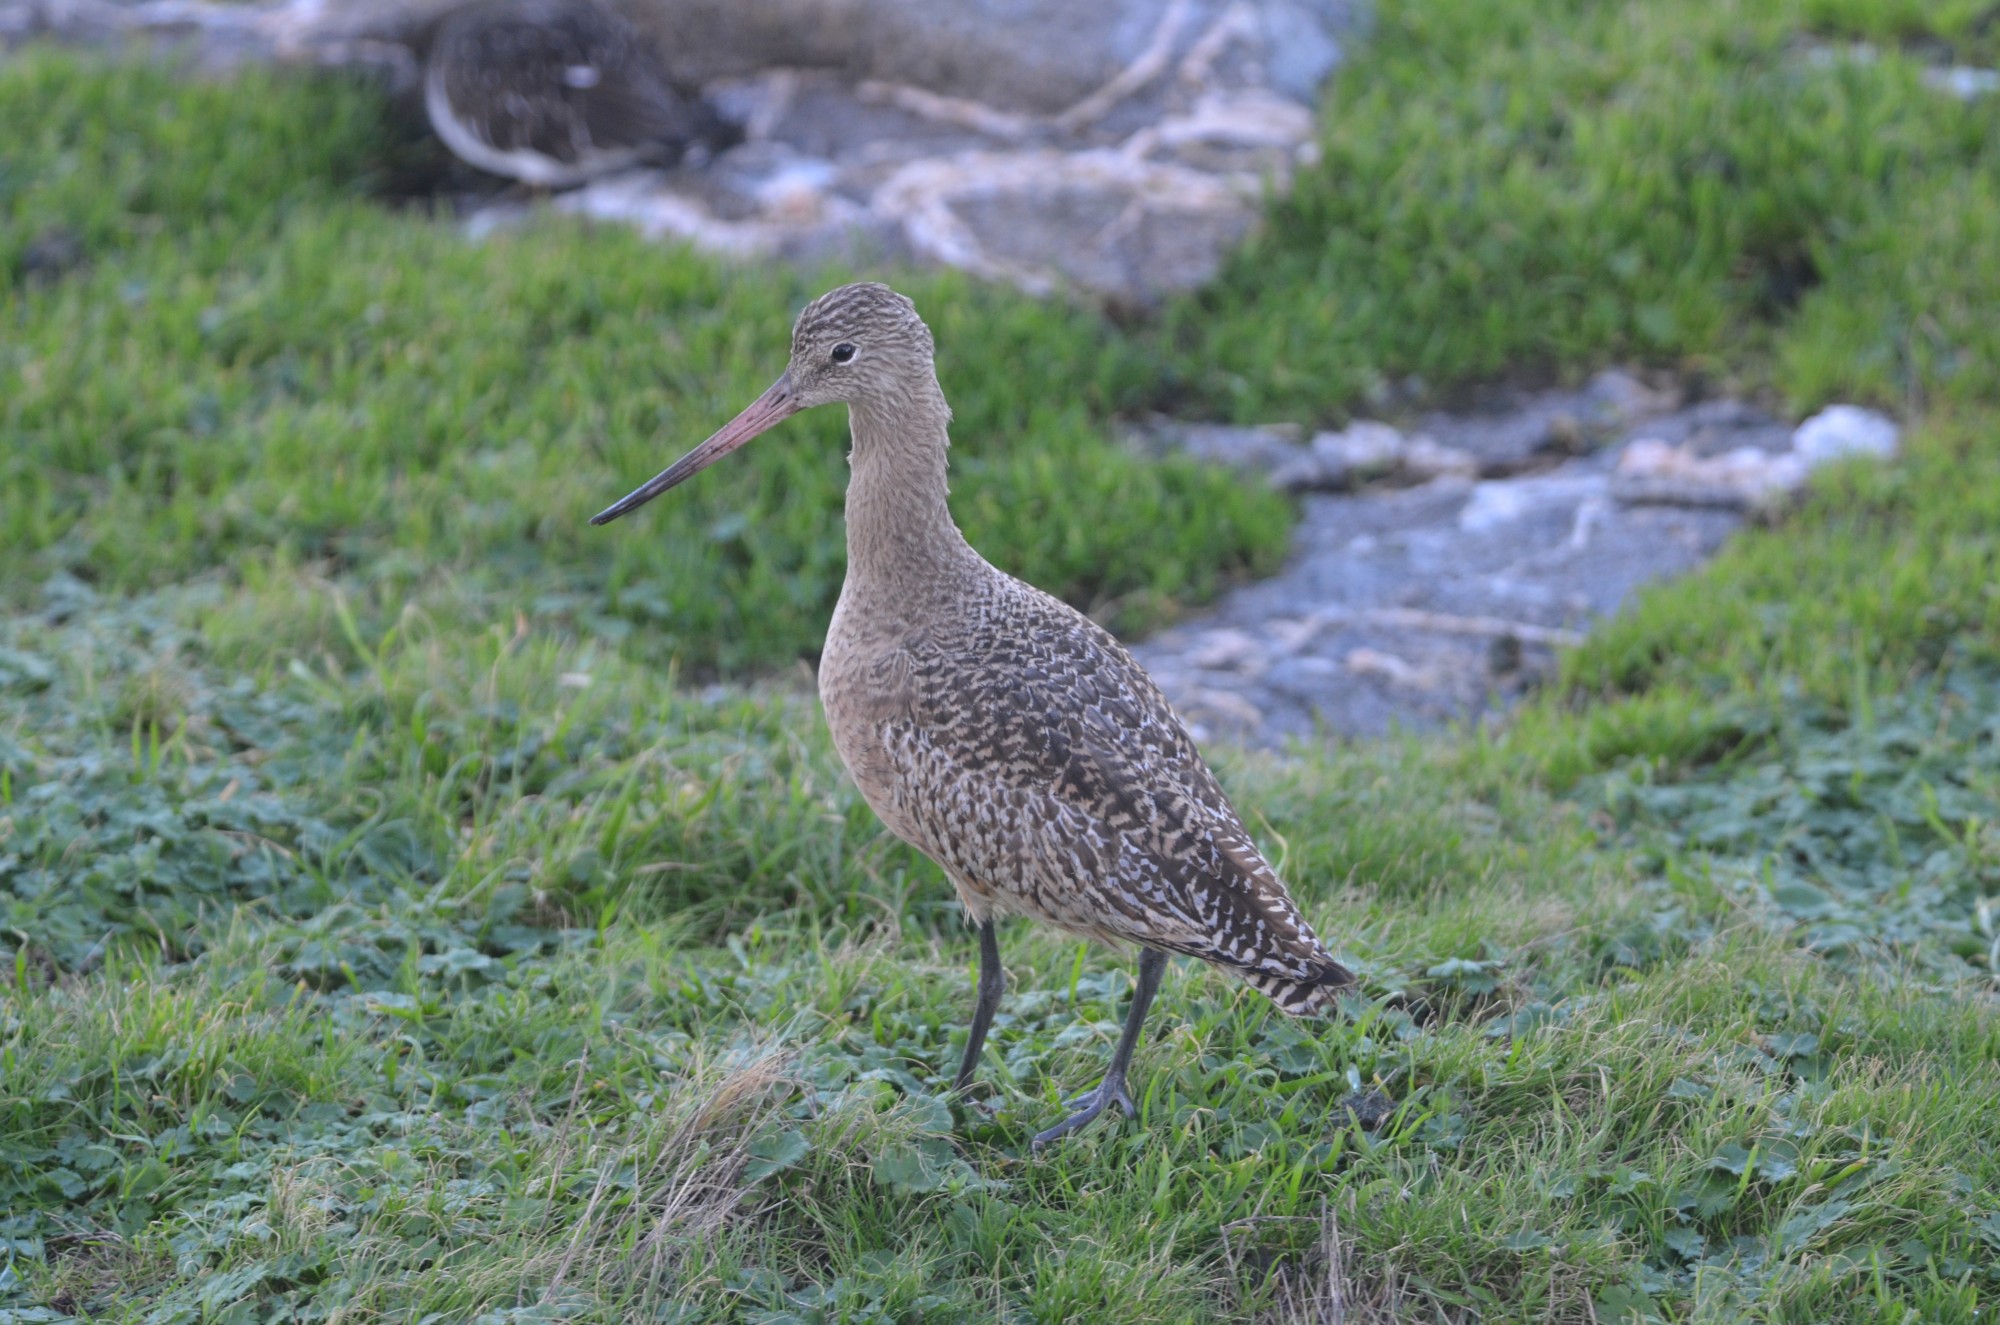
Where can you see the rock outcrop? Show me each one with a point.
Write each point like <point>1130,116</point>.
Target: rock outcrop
<point>1436,571</point>
<point>1119,149</point>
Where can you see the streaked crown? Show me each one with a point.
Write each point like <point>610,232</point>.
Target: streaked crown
<point>865,309</point>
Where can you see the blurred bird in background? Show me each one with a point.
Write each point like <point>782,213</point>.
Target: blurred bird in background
<point>554,93</point>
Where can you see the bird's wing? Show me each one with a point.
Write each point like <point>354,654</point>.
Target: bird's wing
<point>563,85</point>
<point>1057,751</point>
<point>634,105</point>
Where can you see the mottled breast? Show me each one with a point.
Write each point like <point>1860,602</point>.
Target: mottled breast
<point>1015,742</point>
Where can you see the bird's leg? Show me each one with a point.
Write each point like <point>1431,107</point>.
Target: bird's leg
<point>1112,1090</point>
<point>992,983</point>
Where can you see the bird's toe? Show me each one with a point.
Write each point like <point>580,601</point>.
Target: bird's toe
<point>1086,1107</point>
<point>1102,1096</point>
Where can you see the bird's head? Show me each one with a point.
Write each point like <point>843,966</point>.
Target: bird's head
<point>859,344</point>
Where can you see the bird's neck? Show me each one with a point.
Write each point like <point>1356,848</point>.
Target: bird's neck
<point>901,538</point>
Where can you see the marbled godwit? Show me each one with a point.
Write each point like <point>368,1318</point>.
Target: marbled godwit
<point>998,730</point>
<point>553,92</point>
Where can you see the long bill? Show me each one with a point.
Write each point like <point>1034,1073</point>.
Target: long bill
<point>764,413</point>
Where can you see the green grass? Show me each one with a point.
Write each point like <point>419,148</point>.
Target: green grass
<point>387,930</point>
<point>453,1050</point>
<point>1511,187</point>
<point>307,379</point>
<point>139,157</point>
<point>1947,30</point>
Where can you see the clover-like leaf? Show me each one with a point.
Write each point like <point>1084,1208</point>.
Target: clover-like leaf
<point>775,1152</point>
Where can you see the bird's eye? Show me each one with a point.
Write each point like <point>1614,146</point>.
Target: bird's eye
<point>843,352</point>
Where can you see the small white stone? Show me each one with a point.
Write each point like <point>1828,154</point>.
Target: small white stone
<point>1365,444</point>
<point>1844,430</point>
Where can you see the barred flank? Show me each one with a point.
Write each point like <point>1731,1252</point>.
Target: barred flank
<point>1315,997</point>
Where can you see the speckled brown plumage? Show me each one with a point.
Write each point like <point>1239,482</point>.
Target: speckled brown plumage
<point>1047,775</point>
<point>997,729</point>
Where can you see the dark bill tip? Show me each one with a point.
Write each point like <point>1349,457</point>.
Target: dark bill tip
<point>764,413</point>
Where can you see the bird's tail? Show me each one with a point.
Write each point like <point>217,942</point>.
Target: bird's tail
<point>1313,995</point>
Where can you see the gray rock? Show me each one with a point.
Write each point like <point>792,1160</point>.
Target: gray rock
<point>1425,459</point>
<point>1714,427</point>
<point>1118,148</point>
<point>1964,81</point>
<point>1513,430</point>
<point>1763,463</point>
<point>1038,57</point>
<point>1306,472</point>
<point>1416,606</point>
<point>1617,393</point>
<point>1251,450</point>
<point>1411,607</point>
<point>1364,447</point>
<point>1651,471</point>
<point>1365,451</point>
<point>1229,649</point>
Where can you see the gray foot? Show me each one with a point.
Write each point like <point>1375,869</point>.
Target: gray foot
<point>1087,1106</point>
